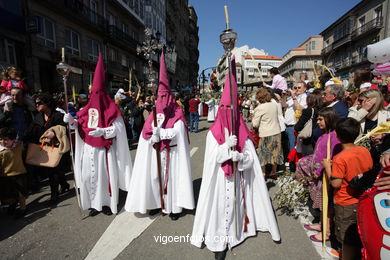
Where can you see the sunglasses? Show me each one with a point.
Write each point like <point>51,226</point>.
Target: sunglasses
<point>360,100</point>
<point>39,103</point>
<point>297,87</point>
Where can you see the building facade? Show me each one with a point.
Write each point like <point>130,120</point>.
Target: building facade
<point>182,30</point>
<point>83,28</point>
<point>40,28</point>
<point>252,66</point>
<point>345,40</point>
<point>303,60</point>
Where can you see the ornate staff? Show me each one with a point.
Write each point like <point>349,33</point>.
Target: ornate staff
<point>149,47</point>
<point>64,70</point>
<point>228,39</point>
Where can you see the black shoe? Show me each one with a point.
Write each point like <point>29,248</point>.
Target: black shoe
<point>64,187</point>
<point>54,198</point>
<point>174,216</point>
<point>20,213</point>
<point>106,211</point>
<point>153,212</point>
<point>93,212</point>
<point>11,208</point>
<point>220,255</point>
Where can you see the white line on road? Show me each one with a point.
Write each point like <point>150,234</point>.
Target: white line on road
<point>193,151</point>
<point>121,232</point>
<point>123,229</point>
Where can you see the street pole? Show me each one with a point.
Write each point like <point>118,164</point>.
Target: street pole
<point>228,39</point>
<point>64,70</point>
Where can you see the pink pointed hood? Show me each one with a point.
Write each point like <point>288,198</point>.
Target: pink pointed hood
<point>100,107</point>
<point>165,104</point>
<point>224,119</point>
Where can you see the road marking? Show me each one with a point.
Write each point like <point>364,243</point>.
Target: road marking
<point>193,151</point>
<point>120,233</point>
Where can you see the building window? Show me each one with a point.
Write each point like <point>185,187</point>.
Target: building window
<point>46,35</point>
<point>7,52</point>
<point>72,42</point>
<point>113,55</point>
<point>361,21</point>
<point>313,45</point>
<point>93,49</point>
<point>378,15</point>
<point>125,28</point>
<point>124,60</point>
<point>93,7</point>
<point>111,19</point>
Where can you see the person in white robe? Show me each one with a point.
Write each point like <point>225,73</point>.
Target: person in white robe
<point>233,201</point>
<point>102,157</point>
<point>170,139</point>
<point>212,109</point>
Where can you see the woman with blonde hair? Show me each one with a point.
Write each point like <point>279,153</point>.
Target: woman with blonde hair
<point>266,119</point>
<point>369,110</point>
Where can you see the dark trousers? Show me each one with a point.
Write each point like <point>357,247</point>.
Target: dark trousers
<point>194,121</point>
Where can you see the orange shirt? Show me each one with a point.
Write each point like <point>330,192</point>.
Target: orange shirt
<point>346,165</point>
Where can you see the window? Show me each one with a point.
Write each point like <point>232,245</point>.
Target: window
<point>124,60</point>
<point>111,19</point>
<point>125,28</point>
<point>113,55</point>
<point>361,21</point>
<point>93,49</point>
<point>93,7</point>
<point>313,45</point>
<point>7,52</point>
<point>378,15</point>
<point>72,42</point>
<point>46,35</point>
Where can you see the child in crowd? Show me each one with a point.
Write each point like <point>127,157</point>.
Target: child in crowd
<point>350,162</point>
<point>13,177</point>
<point>11,78</point>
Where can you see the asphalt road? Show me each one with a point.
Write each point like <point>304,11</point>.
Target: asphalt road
<point>61,232</point>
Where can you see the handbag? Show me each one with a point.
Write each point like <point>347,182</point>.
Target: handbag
<point>308,128</point>
<point>43,155</point>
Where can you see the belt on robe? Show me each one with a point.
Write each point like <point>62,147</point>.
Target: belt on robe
<point>246,219</point>
<point>168,149</point>
<point>108,174</point>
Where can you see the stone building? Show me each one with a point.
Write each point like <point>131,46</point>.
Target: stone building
<point>84,28</point>
<point>345,40</point>
<point>252,66</point>
<point>302,60</point>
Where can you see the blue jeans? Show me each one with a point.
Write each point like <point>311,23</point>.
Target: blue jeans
<point>194,119</point>
<point>291,137</point>
<point>131,125</point>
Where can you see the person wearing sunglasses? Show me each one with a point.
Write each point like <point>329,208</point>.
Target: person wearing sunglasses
<point>369,110</point>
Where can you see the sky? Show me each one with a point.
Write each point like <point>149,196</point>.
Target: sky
<point>273,25</point>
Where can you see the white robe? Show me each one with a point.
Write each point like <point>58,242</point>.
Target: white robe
<point>200,109</point>
<point>212,113</point>
<point>91,169</point>
<point>144,191</point>
<point>214,219</point>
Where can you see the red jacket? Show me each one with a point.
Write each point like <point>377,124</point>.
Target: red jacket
<point>194,103</point>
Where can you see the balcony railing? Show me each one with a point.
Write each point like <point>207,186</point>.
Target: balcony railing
<point>117,34</point>
<point>358,59</point>
<point>368,27</point>
<point>78,9</point>
<point>327,49</point>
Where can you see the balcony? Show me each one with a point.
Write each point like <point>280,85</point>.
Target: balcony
<point>121,37</point>
<point>341,41</point>
<point>368,27</point>
<point>78,10</point>
<point>327,49</point>
<point>358,59</point>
